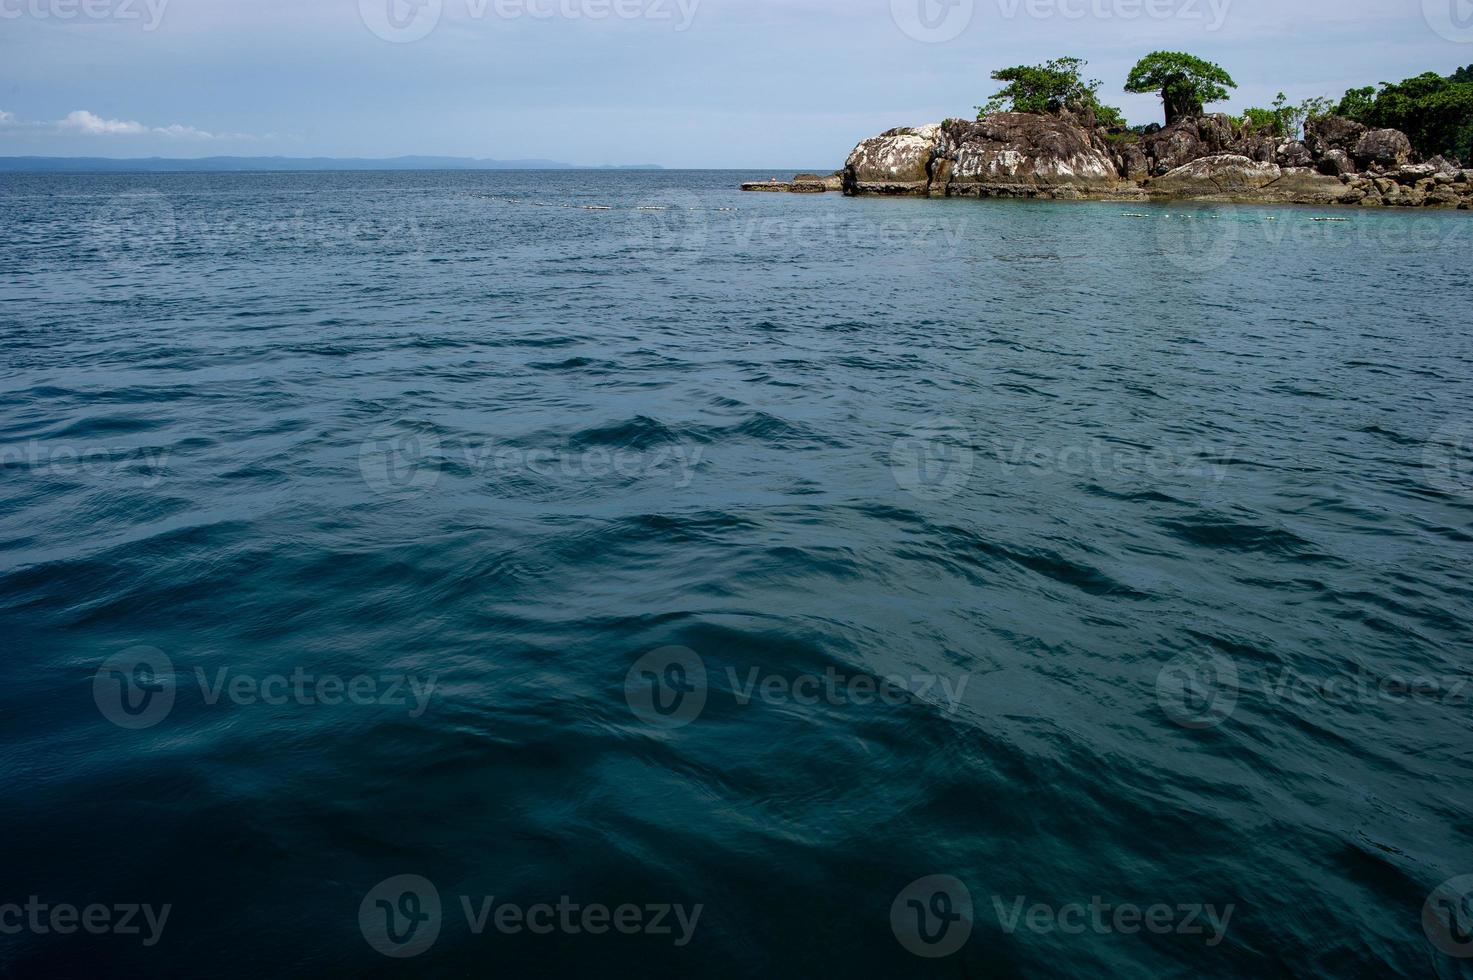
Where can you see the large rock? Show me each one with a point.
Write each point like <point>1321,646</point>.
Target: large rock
<point>1413,172</point>
<point>1192,139</point>
<point>1385,148</point>
<point>1217,177</point>
<point>1325,133</point>
<point>896,162</point>
<point>1292,153</point>
<point>1336,163</point>
<point>1301,185</point>
<point>1234,177</point>
<point>1133,162</point>
<point>1022,154</point>
<point>831,182</point>
<point>1211,158</point>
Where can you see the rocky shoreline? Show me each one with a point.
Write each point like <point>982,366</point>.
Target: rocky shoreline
<point>1209,158</point>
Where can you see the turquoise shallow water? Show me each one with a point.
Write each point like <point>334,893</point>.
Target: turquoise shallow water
<point>855,570</point>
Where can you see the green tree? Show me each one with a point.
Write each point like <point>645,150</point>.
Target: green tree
<point>1288,120</point>
<point>1260,118</point>
<point>1186,83</point>
<point>1315,108</point>
<point>1435,112</point>
<point>1357,103</point>
<point>1051,88</point>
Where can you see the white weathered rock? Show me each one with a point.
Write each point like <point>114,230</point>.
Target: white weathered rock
<point>897,162</point>
<point>1232,177</point>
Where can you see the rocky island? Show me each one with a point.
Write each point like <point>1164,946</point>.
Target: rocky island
<point>1062,144</point>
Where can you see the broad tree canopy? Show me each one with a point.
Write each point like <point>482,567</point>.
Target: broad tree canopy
<point>1186,83</point>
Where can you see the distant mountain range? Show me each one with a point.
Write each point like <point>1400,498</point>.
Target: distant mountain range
<point>215,164</point>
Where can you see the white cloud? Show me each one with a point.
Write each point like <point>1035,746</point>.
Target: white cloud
<point>6,118</point>
<point>185,132</point>
<point>85,122</point>
<point>91,124</point>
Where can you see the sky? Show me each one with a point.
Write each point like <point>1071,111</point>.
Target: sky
<point>680,83</point>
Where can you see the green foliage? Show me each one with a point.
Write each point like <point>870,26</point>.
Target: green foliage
<point>1315,108</point>
<point>1262,119</point>
<point>1186,83</point>
<point>1285,119</point>
<point>1050,88</point>
<point>1108,116</point>
<point>1435,112</point>
<point>1357,103</point>
<point>1291,118</point>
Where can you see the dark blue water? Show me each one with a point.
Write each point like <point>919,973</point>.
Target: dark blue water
<point>884,578</point>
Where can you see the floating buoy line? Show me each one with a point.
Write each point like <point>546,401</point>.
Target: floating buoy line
<point>589,207</point>
<point>1214,217</point>
<point>658,208</point>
